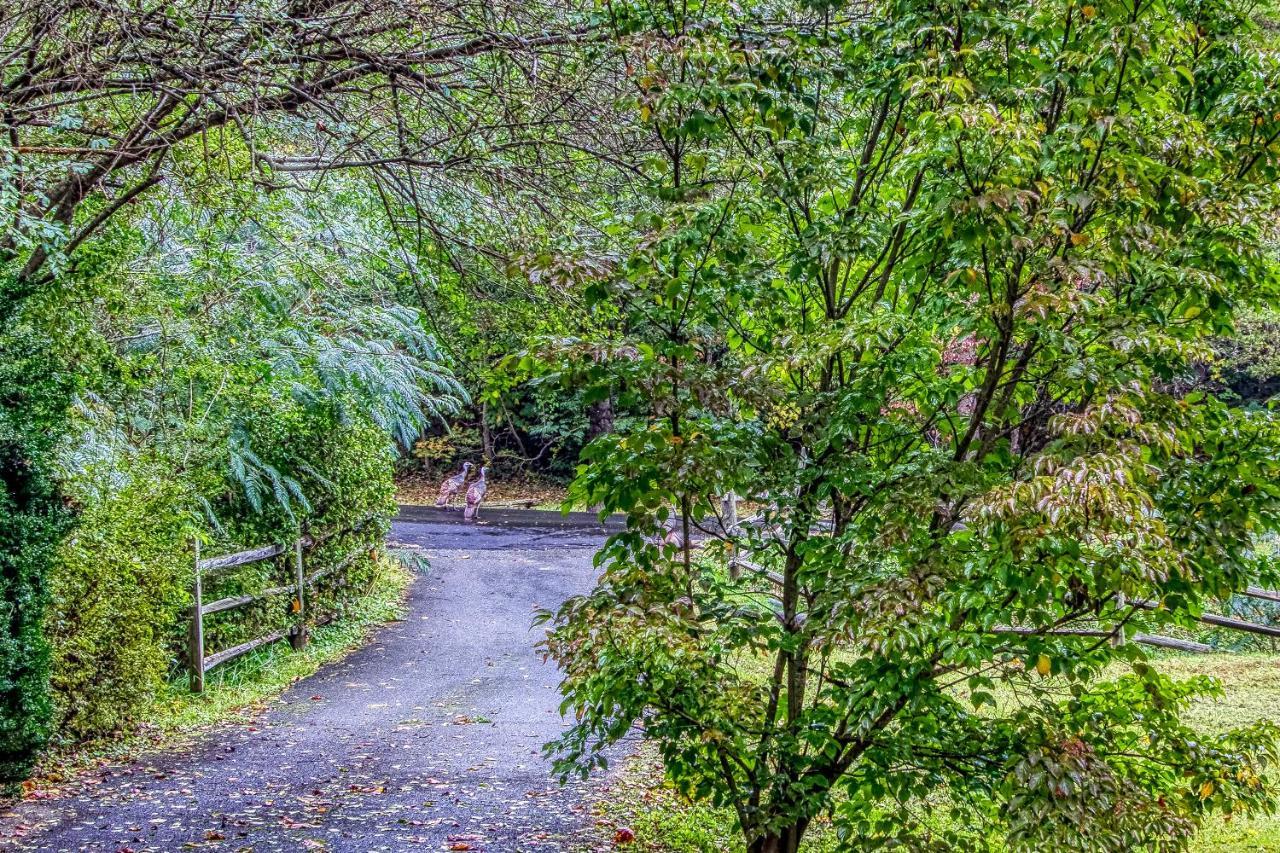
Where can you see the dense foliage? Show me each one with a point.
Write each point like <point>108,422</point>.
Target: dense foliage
<point>109,649</point>
<point>1249,360</point>
<point>32,519</point>
<point>929,284</point>
<point>972,304</point>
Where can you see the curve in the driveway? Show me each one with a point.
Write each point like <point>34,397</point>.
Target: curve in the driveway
<point>427,738</point>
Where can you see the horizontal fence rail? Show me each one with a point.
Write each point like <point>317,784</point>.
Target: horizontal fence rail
<point>1221,621</point>
<point>243,558</point>
<point>1264,594</point>
<point>736,565</point>
<point>296,633</point>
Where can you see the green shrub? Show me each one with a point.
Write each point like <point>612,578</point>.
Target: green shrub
<point>34,390</point>
<point>344,468</point>
<point>119,587</point>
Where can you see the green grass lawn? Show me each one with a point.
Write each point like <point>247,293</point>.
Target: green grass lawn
<point>664,822</point>
<point>1252,685</point>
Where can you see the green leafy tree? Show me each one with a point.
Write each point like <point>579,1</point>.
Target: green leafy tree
<point>922,281</point>
<point>102,105</point>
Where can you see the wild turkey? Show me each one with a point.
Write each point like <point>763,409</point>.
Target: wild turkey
<point>475,495</point>
<point>671,534</point>
<point>450,487</point>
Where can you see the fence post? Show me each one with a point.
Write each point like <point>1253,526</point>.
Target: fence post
<point>1117,633</point>
<point>729,509</point>
<point>299,637</point>
<point>195,647</point>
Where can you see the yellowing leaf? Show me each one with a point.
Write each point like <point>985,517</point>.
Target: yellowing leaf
<point>1043,665</point>
<point>1079,239</point>
<point>1206,790</point>
<point>1088,11</point>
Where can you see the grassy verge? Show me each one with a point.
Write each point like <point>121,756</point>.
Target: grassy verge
<point>240,689</point>
<point>665,822</point>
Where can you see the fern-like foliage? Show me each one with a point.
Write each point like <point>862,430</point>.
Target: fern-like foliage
<point>261,480</point>
<point>373,359</point>
<point>282,311</point>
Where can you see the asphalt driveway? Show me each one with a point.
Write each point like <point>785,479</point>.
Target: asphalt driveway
<point>427,738</point>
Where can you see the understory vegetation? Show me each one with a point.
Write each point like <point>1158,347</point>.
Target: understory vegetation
<point>641,800</point>
<point>173,714</point>
<point>928,349</point>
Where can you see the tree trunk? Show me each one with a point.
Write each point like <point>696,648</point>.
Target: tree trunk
<point>729,511</point>
<point>599,422</point>
<point>599,418</point>
<point>786,840</point>
<point>486,436</point>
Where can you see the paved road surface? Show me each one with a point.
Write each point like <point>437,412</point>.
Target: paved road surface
<point>426,739</point>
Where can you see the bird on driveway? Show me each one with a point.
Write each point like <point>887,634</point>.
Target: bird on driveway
<point>475,495</point>
<point>450,487</point>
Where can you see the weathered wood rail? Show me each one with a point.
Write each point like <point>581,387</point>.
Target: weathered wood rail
<point>1264,594</point>
<point>1159,640</point>
<point>199,662</point>
<point>1221,621</point>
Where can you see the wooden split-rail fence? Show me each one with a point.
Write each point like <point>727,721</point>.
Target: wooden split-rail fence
<point>1228,622</point>
<point>296,633</point>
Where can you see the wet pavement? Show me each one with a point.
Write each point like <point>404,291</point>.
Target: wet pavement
<point>427,738</point>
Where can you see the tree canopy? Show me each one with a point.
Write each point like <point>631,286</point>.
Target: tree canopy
<point>927,283</point>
